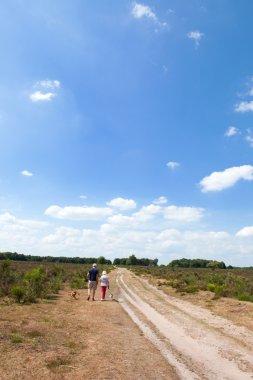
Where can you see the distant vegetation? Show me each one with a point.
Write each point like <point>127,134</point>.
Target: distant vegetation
<point>52,259</point>
<point>235,283</point>
<point>131,260</point>
<point>197,263</point>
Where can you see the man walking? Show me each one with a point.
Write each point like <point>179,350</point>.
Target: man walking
<point>92,277</point>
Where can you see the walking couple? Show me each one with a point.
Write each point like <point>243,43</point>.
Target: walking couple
<point>92,277</point>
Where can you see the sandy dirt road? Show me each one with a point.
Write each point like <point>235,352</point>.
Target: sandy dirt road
<point>197,343</point>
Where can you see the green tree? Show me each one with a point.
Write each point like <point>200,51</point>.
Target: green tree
<point>101,260</point>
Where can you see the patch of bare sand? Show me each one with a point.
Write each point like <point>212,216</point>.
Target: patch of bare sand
<point>69,339</point>
<point>200,344</point>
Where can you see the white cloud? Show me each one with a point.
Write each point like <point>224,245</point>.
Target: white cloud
<point>207,235</point>
<point>46,90</point>
<point>147,212</point>
<point>83,196</point>
<point>218,181</point>
<point>120,219</point>
<point>160,200</point>
<point>78,213</point>
<point>232,131</point>
<point>170,234</point>
<point>195,35</point>
<point>249,139</point>
<point>244,106</point>
<point>122,204</point>
<point>172,164</point>
<point>140,10</point>
<point>66,234</point>
<point>38,96</point>
<point>115,240</point>
<point>183,214</point>
<point>245,232</point>
<point>26,173</point>
<point>156,215</point>
<point>20,235</point>
<point>50,84</point>
<point>7,218</point>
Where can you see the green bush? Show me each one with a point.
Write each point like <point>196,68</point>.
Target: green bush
<point>18,292</point>
<point>8,277</point>
<point>35,283</point>
<point>245,297</point>
<point>211,287</point>
<point>78,279</point>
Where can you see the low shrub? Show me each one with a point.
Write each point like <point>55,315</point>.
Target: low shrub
<point>18,292</point>
<point>210,287</point>
<point>16,338</point>
<point>245,297</point>
<point>78,280</point>
<point>8,277</point>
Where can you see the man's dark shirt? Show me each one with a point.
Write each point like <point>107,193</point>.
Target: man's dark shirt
<point>93,274</point>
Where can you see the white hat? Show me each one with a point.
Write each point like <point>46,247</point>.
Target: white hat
<point>104,272</point>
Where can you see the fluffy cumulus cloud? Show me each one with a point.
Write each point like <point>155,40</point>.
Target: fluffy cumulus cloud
<point>26,173</point>
<point>78,213</point>
<point>196,36</point>
<point>45,90</point>
<point>153,231</point>
<point>140,11</point>
<point>147,212</point>
<point>232,131</point>
<point>245,106</point>
<point>245,232</point>
<point>218,181</point>
<point>38,96</point>
<point>172,164</point>
<point>122,203</point>
<point>21,235</point>
<point>157,215</point>
<point>183,214</point>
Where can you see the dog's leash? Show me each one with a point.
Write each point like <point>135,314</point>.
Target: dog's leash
<point>110,295</point>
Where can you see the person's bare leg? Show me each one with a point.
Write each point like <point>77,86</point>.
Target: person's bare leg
<point>93,293</point>
<point>88,293</point>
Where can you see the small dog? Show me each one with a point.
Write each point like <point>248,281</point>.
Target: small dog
<point>73,294</point>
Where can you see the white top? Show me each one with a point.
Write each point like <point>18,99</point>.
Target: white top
<point>104,280</point>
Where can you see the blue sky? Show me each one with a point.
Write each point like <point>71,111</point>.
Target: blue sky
<point>127,127</point>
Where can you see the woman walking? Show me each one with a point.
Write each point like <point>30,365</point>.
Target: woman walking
<point>104,284</point>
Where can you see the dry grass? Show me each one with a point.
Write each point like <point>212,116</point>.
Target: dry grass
<point>67,339</point>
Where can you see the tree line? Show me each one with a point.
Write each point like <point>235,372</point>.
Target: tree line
<point>131,260</point>
<point>52,259</point>
<point>196,263</point>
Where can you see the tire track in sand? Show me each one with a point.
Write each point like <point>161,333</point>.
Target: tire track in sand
<point>195,349</point>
